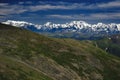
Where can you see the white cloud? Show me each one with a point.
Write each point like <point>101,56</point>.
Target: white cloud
<point>60,16</point>
<point>6,9</point>
<point>21,2</point>
<point>3,4</point>
<point>66,5</point>
<point>26,2</point>
<point>110,4</point>
<point>106,15</point>
<point>48,7</point>
<point>93,16</point>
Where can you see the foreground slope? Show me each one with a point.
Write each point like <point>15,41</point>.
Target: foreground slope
<point>11,69</point>
<point>29,55</point>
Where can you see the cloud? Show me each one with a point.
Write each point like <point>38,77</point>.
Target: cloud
<point>26,2</point>
<point>64,6</point>
<point>106,15</point>
<point>67,5</point>
<point>21,2</point>
<point>112,4</point>
<point>60,16</point>
<point>49,7</point>
<point>7,9</point>
<point>93,16</point>
<point>3,4</point>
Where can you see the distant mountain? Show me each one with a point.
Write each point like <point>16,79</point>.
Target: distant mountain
<point>25,55</point>
<point>74,29</point>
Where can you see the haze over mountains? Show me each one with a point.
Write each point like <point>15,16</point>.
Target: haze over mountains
<point>74,29</point>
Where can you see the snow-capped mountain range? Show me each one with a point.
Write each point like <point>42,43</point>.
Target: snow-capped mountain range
<point>80,27</point>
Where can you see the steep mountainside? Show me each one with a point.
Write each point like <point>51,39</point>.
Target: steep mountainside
<point>25,55</point>
<point>74,29</point>
<point>110,44</point>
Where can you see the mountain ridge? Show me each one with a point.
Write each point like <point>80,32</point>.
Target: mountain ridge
<point>73,26</point>
<point>74,29</point>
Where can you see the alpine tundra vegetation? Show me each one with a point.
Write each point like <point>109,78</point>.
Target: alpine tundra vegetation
<point>25,55</point>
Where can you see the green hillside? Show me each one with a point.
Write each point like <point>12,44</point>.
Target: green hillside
<point>25,55</point>
<point>110,44</point>
<point>11,69</point>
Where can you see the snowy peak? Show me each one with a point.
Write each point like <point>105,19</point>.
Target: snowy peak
<point>21,24</point>
<point>80,23</point>
<point>17,23</point>
<point>77,26</point>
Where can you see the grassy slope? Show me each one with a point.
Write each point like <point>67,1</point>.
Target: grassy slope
<point>15,70</point>
<point>110,44</point>
<point>81,57</point>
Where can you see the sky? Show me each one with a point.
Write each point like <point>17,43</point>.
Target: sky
<point>60,11</point>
